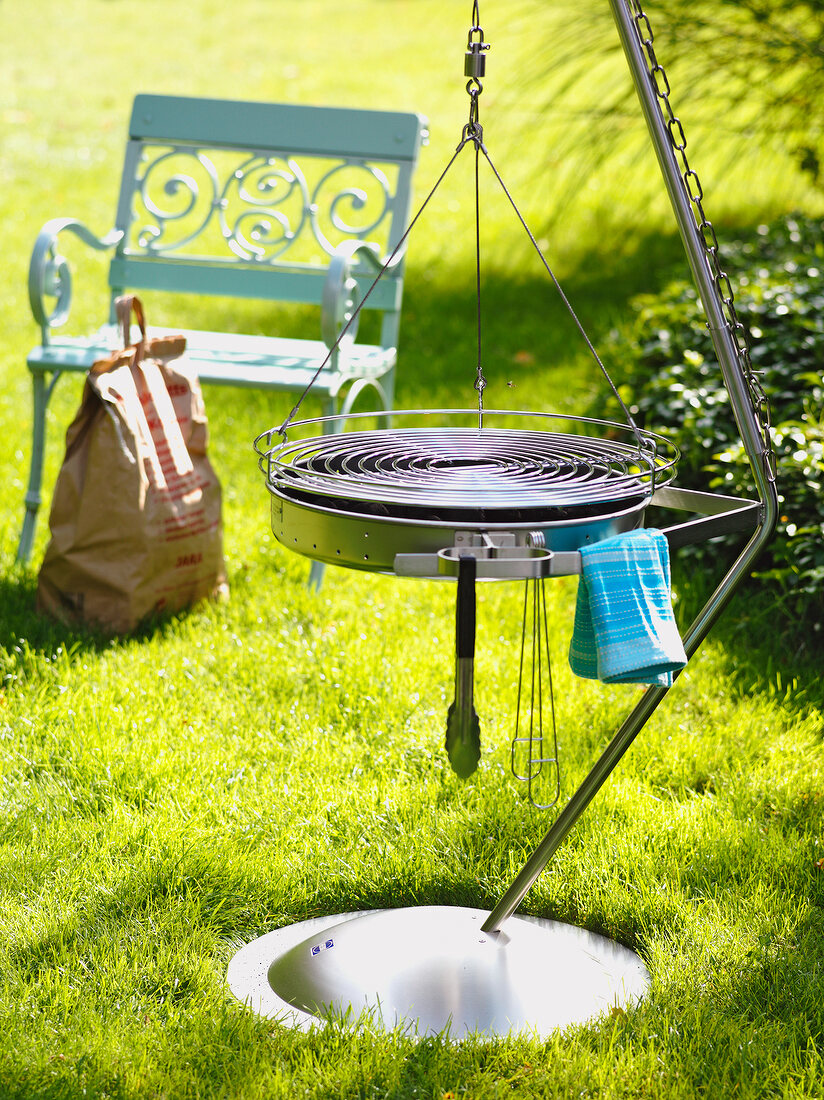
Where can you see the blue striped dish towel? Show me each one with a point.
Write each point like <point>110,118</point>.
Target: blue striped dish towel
<point>625,630</point>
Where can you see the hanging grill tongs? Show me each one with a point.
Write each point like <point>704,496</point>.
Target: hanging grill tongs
<point>463,728</point>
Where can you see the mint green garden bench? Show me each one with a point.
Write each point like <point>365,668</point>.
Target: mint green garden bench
<point>277,202</point>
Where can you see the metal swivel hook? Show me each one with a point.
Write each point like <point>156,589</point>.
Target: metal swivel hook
<point>474,68</point>
<point>474,60</point>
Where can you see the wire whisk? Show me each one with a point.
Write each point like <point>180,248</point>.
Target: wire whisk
<point>534,753</point>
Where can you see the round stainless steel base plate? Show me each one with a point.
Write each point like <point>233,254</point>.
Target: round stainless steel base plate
<point>431,969</point>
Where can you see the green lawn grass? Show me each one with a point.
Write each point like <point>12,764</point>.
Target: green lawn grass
<point>167,797</point>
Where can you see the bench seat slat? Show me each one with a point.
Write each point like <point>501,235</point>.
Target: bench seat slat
<point>262,362</point>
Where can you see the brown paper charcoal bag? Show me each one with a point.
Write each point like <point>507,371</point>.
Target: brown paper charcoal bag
<point>136,516</point>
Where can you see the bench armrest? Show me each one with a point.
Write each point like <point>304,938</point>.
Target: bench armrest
<point>341,292</point>
<point>49,272</point>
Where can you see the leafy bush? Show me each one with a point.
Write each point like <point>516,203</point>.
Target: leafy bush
<point>673,384</point>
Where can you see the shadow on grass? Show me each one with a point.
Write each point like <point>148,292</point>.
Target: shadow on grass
<point>22,625</point>
<point>761,658</point>
<point>766,650</point>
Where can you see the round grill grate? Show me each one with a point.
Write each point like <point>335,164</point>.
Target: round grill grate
<point>423,469</point>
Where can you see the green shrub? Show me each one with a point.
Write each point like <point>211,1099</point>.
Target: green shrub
<point>673,384</point>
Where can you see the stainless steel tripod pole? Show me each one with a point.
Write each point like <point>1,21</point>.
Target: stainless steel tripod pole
<point>729,359</point>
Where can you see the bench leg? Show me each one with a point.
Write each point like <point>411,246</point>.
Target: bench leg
<point>318,568</point>
<point>388,393</point>
<point>38,446</point>
<point>357,389</point>
<point>316,573</point>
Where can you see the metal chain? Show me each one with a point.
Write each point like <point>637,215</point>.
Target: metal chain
<point>695,192</point>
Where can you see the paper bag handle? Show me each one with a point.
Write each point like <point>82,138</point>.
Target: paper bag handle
<point>124,307</point>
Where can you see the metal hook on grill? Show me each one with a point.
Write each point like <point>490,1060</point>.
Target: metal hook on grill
<point>534,752</point>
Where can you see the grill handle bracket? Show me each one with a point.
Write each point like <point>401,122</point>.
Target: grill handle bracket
<point>502,562</point>
<point>498,555</point>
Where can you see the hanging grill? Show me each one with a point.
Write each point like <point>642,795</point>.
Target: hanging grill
<point>361,498</point>
<point>437,494</point>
